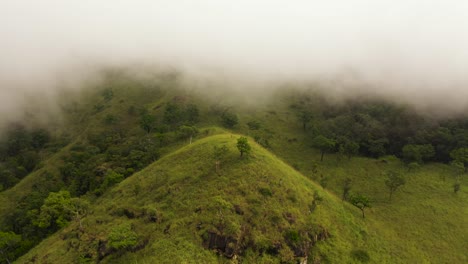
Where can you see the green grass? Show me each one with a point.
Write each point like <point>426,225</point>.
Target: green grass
<point>185,190</point>
<point>424,223</point>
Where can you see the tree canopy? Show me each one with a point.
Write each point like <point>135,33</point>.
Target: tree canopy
<point>229,119</point>
<point>360,201</point>
<point>243,146</point>
<point>8,240</point>
<point>418,153</point>
<point>394,181</point>
<point>324,144</point>
<point>460,155</point>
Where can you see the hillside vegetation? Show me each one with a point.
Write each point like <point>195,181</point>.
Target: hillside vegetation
<point>256,209</point>
<point>137,173</point>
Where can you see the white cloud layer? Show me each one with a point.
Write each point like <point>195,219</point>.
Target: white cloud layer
<point>410,50</point>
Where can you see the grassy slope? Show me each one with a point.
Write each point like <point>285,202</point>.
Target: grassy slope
<point>425,222</point>
<point>185,180</point>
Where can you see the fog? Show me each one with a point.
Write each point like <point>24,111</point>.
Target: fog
<point>410,51</point>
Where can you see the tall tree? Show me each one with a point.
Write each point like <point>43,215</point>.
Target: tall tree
<point>147,122</point>
<point>393,182</point>
<point>324,144</point>
<point>349,148</point>
<point>55,212</point>
<point>460,155</point>
<point>192,114</point>
<point>305,116</point>
<point>229,119</point>
<point>172,114</point>
<point>59,208</point>
<point>188,132</point>
<point>417,153</point>
<point>360,201</point>
<point>243,146</point>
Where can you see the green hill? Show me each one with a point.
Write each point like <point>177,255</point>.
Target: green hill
<point>155,198</point>
<point>256,209</point>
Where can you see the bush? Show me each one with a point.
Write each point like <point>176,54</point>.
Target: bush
<point>286,255</point>
<point>122,237</point>
<point>292,236</point>
<point>265,192</point>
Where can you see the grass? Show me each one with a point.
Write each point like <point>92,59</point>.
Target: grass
<point>424,223</point>
<point>191,199</point>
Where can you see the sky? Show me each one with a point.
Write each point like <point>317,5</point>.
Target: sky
<point>413,51</point>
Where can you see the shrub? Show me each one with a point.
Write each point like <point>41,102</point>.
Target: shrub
<point>265,192</point>
<point>122,237</point>
<point>360,255</point>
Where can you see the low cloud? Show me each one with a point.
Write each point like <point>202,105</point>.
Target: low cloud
<point>411,51</point>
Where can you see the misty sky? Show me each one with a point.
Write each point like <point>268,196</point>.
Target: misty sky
<point>411,50</point>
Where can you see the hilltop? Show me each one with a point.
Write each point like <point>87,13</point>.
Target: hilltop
<point>255,209</point>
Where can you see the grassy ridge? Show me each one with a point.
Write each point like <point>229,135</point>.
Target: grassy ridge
<point>424,223</point>
<point>191,200</point>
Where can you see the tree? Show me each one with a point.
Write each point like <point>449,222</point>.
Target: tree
<point>111,178</point>
<point>59,208</point>
<point>55,211</point>
<point>172,114</point>
<point>360,201</point>
<point>29,160</point>
<point>229,120</point>
<point>147,122</point>
<point>192,113</point>
<point>417,153</point>
<point>393,182</point>
<point>40,138</point>
<point>346,188</point>
<point>324,144</point>
<point>305,117</point>
<point>243,146</point>
<point>460,155</point>
<point>349,148</point>
<point>188,132</point>
<point>8,240</point>
<point>458,167</point>
<point>377,147</point>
